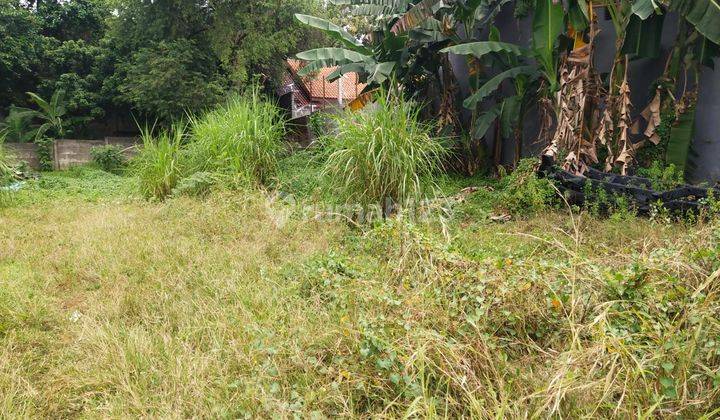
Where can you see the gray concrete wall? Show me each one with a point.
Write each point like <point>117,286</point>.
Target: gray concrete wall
<point>26,152</point>
<point>707,127</point>
<point>69,152</point>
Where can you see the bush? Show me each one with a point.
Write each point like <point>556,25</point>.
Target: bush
<point>157,165</point>
<point>109,158</point>
<point>383,153</point>
<point>243,138</point>
<point>663,177</point>
<point>523,192</point>
<point>45,153</point>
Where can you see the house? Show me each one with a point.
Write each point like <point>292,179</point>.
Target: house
<point>302,96</point>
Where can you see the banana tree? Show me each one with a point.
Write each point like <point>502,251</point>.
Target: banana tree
<point>51,114</point>
<point>532,71</point>
<point>402,45</point>
<point>696,44</point>
<point>17,126</point>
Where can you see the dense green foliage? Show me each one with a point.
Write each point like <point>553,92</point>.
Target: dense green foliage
<point>153,60</point>
<point>410,41</point>
<point>109,158</point>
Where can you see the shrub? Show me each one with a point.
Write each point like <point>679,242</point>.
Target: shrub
<point>157,164</point>
<point>663,177</point>
<point>109,158</point>
<point>381,154</point>
<point>523,192</point>
<point>242,138</point>
<point>45,153</point>
<point>198,184</point>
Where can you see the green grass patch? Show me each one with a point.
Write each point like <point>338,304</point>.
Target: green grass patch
<point>235,306</point>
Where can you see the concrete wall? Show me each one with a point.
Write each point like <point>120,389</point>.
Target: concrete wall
<point>68,152</point>
<point>706,144</point>
<point>26,152</point>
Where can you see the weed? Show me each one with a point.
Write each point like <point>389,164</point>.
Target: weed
<point>45,153</point>
<point>599,203</point>
<point>300,174</point>
<point>319,124</point>
<point>523,193</point>
<point>237,144</point>
<point>6,164</point>
<point>158,165</point>
<point>199,184</point>
<point>109,158</point>
<point>242,139</point>
<point>381,155</point>
<point>663,178</point>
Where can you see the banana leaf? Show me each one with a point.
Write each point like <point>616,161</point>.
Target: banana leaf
<point>480,49</point>
<point>578,15</point>
<point>373,10</point>
<point>703,14</point>
<point>333,31</point>
<point>415,16</point>
<point>548,24</point>
<point>681,137</point>
<point>487,10</point>
<point>485,121</point>
<point>645,8</point>
<point>493,84</point>
<point>347,68</point>
<point>642,38</point>
<point>706,52</point>
<point>382,72</point>
<point>329,57</point>
<point>510,116</point>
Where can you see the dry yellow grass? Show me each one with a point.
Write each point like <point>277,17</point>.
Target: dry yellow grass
<point>226,307</point>
<point>130,308</point>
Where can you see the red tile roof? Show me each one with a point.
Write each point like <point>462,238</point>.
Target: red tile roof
<point>319,88</point>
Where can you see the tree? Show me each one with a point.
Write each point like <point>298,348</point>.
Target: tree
<point>254,37</point>
<point>170,78</point>
<point>73,20</point>
<point>21,51</point>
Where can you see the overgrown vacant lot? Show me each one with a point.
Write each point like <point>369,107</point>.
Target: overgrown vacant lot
<point>234,305</point>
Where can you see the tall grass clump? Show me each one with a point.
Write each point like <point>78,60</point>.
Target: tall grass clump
<point>158,164</point>
<point>6,161</point>
<point>383,154</point>
<point>236,144</point>
<point>243,139</point>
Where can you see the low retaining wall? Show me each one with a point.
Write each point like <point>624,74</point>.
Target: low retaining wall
<point>26,152</point>
<point>69,152</point>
